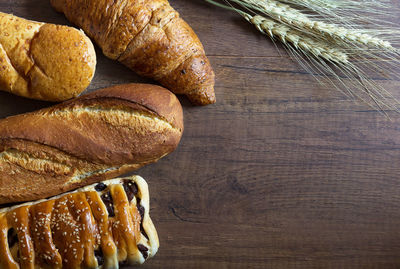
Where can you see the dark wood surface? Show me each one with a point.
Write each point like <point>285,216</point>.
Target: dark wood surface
<point>280,173</point>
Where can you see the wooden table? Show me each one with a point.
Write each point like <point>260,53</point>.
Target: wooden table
<point>280,173</point>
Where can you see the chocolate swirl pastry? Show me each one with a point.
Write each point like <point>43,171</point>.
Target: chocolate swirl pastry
<point>98,226</point>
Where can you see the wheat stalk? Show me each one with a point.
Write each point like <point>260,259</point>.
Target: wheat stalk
<point>327,4</point>
<point>307,45</point>
<point>292,37</point>
<point>296,19</point>
<point>298,40</point>
<point>342,10</point>
<point>340,4</point>
<point>341,55</point>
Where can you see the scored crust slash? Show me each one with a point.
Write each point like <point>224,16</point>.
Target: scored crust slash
<point>97,136</point>
<point>98,226</point>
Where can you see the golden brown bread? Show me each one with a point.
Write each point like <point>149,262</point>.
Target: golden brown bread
<point>149,37</point>
<point>44,61</point>
<point>98,226</point>
<point>91,138</point>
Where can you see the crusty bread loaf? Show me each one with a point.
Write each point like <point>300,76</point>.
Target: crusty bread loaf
<point>44,61</point>
<point>149,37</point>
<point>88,139</point>
<point>98,226</point>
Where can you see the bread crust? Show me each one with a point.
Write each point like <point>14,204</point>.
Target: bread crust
<point>44,61</point>
<point>88,139</point>
<point>97,226</point>
<point>149,37</point>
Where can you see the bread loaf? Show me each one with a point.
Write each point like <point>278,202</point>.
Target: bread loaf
<point>44,61</point>
<point>149,37</point>
<point>88,139</point>
<point>98,226</point>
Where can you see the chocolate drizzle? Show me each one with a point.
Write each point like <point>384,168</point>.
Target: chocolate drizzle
<point>100,187</point>
<point>12,237</point>
<point>143,250</point>
<point>131,189</point>
<point>141,210</point>
<point>99,256</point>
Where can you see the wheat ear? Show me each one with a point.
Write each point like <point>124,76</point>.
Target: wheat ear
<point>313,3</point>
<point>291,37</point>
<point>292,17</point>
<point>298,40</point>
<point>325,57</point>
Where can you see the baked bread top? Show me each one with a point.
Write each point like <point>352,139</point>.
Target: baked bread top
<point>98,226</point>
<point>149,37</point>
<point>94,137</point>
<point>44,61</point>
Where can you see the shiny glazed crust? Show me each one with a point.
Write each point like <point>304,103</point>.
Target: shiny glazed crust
<point>149,37</point>
<point>92,138</point>
<point>44,61</point>
<point>81,229</point>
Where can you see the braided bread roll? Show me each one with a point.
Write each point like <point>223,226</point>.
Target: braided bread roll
<point>95,137</point>
<point>149,37</point>
<point>44,61</point>
<point>98,226</point>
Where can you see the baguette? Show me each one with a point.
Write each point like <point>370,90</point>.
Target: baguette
<point>98,226</point>
<point>149,37</point>
<point>88,139</point>
<point>44,61</point>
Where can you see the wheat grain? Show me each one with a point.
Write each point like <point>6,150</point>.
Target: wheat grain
<point>316,51</point>
<point>297,39</point>
<point>341,56</point>
<point>294,18</point>
<point>313,3</point>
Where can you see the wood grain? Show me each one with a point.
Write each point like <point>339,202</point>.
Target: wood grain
<point>280,173</point>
